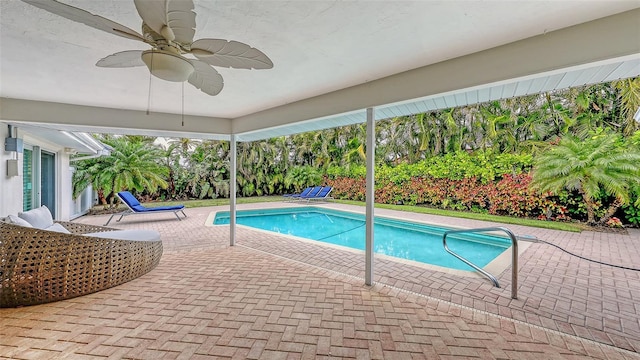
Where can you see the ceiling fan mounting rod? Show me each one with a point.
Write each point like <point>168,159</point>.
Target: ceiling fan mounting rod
<point>171,47</point>
<point>160,42</point>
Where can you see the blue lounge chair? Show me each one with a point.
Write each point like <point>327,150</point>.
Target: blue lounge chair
<point>304,192</point>
<point>323,194</point>
<point>314,191</point>
<point>136,208</point>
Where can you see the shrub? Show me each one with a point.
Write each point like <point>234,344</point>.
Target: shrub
<point>632,211</point>
<point>510,195</point>
<point>347,188</point>
<point>614,222</point>
<point>483,166</point>
<point>514,196</point>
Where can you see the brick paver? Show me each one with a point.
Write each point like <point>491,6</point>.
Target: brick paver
<point>275,297</point>
<point>556,291</point>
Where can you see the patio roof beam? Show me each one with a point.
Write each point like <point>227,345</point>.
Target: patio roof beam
<point>115,121</point>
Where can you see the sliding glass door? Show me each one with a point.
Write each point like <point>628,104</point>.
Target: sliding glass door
<point>39,179</point>
<point>48,181</point>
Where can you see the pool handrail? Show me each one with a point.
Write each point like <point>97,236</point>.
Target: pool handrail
<point>514,255</point>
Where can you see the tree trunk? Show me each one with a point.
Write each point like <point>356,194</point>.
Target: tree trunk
<point>172,184</point>
<point>591,217</point>
<point>101,198</point>
<point>110,199</point>
<point>610,211</point>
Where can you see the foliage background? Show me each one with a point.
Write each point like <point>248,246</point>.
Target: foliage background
<point>478,158</point>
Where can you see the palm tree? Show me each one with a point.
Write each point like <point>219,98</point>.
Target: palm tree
<point>354,152</point>
<point>532,131</point>
<point>423,133</point>
<point>134,164</point>
<point>500,132</point>
<point>207,170</point>
<point>629,102</point>
<point>85,174</point>
<point>186,145</point>
<point>171,160</point>
<point>140,138</point>
<point>302,176</point>
<point>558,117</point>
<point>302,145</point>
<point>394,142</point>
<point>590,166</point>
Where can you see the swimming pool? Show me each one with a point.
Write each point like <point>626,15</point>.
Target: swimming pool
<point>397,238</point>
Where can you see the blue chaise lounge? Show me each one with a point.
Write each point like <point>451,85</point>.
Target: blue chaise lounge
<point>305,193</point>
<point>323,194</point>
<point>302,193</point>
<point>134,207</point>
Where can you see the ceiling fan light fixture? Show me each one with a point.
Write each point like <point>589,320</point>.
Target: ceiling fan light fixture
<point>167,66</point>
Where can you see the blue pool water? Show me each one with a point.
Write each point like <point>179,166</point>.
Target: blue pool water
<point>402,239</point>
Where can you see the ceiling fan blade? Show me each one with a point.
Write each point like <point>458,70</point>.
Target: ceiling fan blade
<point>231,54</point>
<point>206,78</point>
<point>175,20</point>
<point>85,17</point>
<point>123,59</point>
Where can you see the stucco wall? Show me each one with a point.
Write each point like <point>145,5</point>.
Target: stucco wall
<point>11,187</point>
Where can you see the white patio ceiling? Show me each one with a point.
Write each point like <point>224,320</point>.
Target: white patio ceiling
<point>331,61</point>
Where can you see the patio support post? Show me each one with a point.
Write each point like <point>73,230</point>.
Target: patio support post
<point>370,193</point>
<point>232,190</point>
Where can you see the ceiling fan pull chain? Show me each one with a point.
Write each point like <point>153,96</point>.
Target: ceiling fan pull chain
<point>149,96</point>
<point>183,104</point>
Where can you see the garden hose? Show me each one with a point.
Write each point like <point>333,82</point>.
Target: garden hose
<point>534,239</point>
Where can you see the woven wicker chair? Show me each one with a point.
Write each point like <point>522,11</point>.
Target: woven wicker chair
<point>39,266</point>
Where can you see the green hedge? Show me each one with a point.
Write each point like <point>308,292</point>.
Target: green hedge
<point>483,166</point>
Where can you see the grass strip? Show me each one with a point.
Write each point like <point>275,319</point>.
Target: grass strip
<point>553,225</point>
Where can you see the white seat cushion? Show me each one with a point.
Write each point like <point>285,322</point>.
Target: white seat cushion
<point>38,218</point>
<point>19,221</point>
<point>58,228</point>
<point>137,235</point>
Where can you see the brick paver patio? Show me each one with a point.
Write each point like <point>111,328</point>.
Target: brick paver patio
<point>274,297</point>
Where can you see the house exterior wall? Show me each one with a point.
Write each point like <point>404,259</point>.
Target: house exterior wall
<point>11,194</point>
<point>83,203</point>
<point>10,187</point>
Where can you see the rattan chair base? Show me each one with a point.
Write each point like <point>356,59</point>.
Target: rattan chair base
<point>39,266</point>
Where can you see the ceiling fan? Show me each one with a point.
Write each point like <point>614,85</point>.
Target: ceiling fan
<point>169,27</point>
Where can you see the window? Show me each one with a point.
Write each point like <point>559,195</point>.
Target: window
<point>27,180</point>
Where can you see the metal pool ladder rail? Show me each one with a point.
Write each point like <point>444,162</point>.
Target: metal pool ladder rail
<point>514,255</point>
